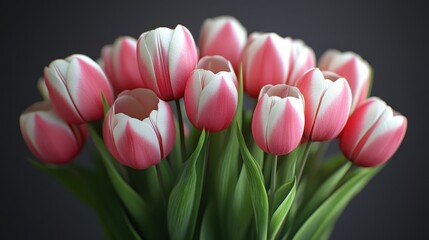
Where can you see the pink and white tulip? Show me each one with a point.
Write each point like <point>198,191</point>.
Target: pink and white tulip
<point>139,129</point>
<point>372,134</point>
<point>278,119</point>
<point>120,64</point>
<point>353,68</point>
<point>327,104</point>
<point>224,36</point>
<point>211,94</point>
<point>302,59</point>
<point>75,85</point>
<point>166,57</point>
<point>266,60</point>
<point>50,138</point>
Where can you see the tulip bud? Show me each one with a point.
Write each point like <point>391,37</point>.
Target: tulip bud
<point>211,94</point>
<point>372,134</point>
<point>302,59</point>
<point>225,36</point>
<point>75,86</point>
<point>120,64</point>
<point>49,137</point>
<point>266,60</point>
<point>278,120</point>
<point>166,57</point>
<point>327,104</point>
<point>353,68</point>
<point>139,129</point>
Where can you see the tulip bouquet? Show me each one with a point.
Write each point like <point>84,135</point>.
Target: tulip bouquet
<point>242,156</point>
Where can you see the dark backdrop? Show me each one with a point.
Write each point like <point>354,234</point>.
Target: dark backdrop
<point>389,34</point>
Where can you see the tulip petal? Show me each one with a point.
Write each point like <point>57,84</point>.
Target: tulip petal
<point>86,82</point>
<point>218,103</point>
<point>285,126</point>
<point>265,61</point>
<point>182,59</point>
<point>136,143</point>
<point>163,120</point>
<point>382,142</point>
<point>125,64</point>
<point>50,138</point>
<point>153,61</point>
<point>359,123</point>
<point>333,111</point>
<point>260,121</point>
<point>55,79</point>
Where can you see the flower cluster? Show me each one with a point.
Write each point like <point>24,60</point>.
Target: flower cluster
<point>297,103</point>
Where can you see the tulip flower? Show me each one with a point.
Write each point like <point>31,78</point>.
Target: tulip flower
<point>211,94</point>
<point>372,134</point>
<point>166,57</point>
<point>75,87</point>
<point>278,119</point>
<point>302,59</point>
<point>327,104</point>
<point>353,68</point>
<point>266,60</point>
<point>139,129</point>
<point>225,36</point>
<point>120,64</point>
<point>50,138</point>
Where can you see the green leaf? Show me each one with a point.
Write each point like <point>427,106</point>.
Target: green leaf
<point>240,209</point>
<point>326,214</point>
<point>209,228</point>
<point>239,113</point>
<point>323,191</point>
<point>70,177</point>
<point>183,199</point>
<point>135,205</point>
<point>283,200</point>
<point>258,194</point>
<point>225,165</point>
<point>106,105</point>
<point>94,189</point>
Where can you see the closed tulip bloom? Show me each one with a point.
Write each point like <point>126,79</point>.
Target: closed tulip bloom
<point>266,60</point>
<point>327,104</point>
<point>166,57</point>
<point>50,138</point>
<point>302,59</point>
<point>372,134</point>
<point>224,36</point>
<point>278,119</point>
<point>75,85</point>
<point>211,94</point>
<point>120,64</point>
<point>139,129</point>
<point>353,68</point>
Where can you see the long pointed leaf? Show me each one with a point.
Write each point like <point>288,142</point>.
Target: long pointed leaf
<point>258,194</point>
<point>135,205</point>
<point>282,201</point>
<point>324,216</point>
<point>182,200</point>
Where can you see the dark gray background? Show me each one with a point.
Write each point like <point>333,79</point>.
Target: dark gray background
<point>389,34</point>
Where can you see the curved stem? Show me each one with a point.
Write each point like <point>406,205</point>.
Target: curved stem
<point>273,184</point>
<point>181,131</point>
<point>303,161</point>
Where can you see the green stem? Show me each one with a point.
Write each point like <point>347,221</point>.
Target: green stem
<point>181,131</point>
<point>273,183</point>
<point>303,161</point>
<point>162,184</point>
